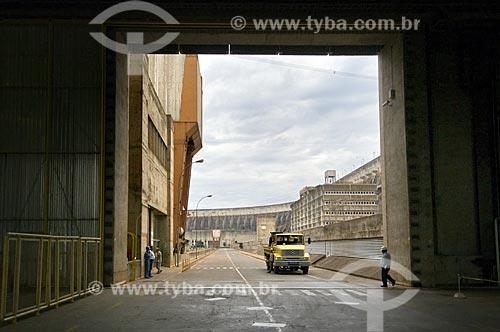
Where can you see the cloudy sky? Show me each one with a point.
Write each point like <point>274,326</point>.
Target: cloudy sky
<point>274,124</point>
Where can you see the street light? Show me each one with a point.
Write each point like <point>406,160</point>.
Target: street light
<point>195,224</point>
<point>178,235</point>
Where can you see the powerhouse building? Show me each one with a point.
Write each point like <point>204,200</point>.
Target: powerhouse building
<point>333,203</point>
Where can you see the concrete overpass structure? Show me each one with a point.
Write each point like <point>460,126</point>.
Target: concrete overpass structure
<point>439,113</point>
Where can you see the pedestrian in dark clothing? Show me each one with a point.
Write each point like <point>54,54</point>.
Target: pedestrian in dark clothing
<point>147,267</point>
<point>385,265</point>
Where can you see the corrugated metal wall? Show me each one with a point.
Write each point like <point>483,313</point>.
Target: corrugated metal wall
<point>50,111</point>
<point>359,248</point>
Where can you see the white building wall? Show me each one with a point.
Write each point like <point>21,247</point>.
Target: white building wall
<point>166,73</point>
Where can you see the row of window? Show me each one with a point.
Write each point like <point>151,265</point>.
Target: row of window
<point>349,193</point>
<point>349,212</point>
<point>351,202</point>
<point>156,144</point>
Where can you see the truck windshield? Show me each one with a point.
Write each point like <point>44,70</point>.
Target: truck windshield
<point>290,239</point>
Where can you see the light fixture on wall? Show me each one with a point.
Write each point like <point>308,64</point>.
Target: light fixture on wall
<point>391,97</point>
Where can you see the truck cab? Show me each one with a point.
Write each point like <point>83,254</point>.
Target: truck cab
<point>286,250</point>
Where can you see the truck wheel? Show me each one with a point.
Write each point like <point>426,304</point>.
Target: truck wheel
<point>276,270</point>
<point>305,269</point>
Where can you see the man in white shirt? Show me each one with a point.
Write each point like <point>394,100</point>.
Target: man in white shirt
<point>385,265</point>
<point>151,261</point>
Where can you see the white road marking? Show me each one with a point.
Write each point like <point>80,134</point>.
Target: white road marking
<point>307,292</point>
<point>259,308</point>
<point>278,326</point>
<point>323,292</point>
<point>318,278</point>
<point>215,299</point>
<point>268,314</point>
<point>348,303</point>
<point>292,292</point>
<point>355,292</point>
<point>339,292</point>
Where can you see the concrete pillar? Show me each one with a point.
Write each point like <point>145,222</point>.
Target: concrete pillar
<point>419,160</point>
<point>135,154</point>
<point>437,140</point>
<point>116,171</point>
<point>393,153</point>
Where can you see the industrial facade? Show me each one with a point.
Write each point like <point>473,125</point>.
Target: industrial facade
<point>242,218</point>
<point>333,203</point>
<point>108,180</point>
<point>242,225</point>
<point>161,141</point>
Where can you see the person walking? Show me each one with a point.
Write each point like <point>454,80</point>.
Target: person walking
<point>385,265</point>
<point>158,260</point>
<point>147,269</point>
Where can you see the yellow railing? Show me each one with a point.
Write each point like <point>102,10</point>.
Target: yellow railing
<point>133,262</point>
<point>193,256</point>
<point>186,264</point>
<point>41,271</point>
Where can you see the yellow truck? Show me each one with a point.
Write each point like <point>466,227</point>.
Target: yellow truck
<point>286,251</point>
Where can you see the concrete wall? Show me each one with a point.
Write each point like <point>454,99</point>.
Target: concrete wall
<point>367,173</point>
<point>361,228</point>
<point>228,236</point>
<point>243,219</point>
<point>166,73</point>
<point>264,227</point>
<point>462,68</point>
<point>438,222</point>
<point>187,142</point>
<point>155,182</point>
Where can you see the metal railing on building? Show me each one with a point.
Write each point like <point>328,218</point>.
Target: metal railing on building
<point>190,257</point>
<point>42,271</point>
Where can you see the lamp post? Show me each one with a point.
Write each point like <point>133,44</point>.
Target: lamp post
<point>196,223</point>
<point>178,247</point>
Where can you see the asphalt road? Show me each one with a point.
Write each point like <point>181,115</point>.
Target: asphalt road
<point>230,291</point>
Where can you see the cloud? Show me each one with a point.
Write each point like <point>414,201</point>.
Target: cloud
<point>273,125</point>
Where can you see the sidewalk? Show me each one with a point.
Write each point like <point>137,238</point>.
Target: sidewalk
<point>169,273</point>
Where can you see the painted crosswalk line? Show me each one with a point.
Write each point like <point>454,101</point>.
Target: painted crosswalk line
<point>355,292</point>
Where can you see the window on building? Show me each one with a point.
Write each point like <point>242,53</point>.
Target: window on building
<point>156,144</point>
